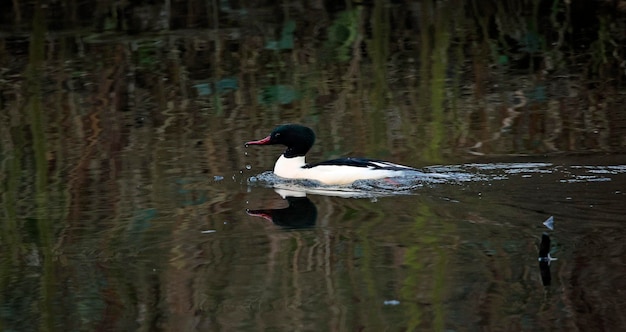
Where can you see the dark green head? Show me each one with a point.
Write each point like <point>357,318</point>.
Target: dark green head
<point>297,138</point>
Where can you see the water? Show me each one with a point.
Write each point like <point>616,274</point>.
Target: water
<point>449,252</point>
<point>128,200</point>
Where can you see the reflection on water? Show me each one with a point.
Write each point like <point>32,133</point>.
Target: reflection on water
<point>545,259</point>
<point>299,213</point>
<point>496,252</point>
<point>127,201</point>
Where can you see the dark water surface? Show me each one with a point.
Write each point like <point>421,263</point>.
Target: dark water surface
<point>129,202</point>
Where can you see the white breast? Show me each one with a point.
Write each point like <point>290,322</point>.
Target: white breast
<point>290,168</point>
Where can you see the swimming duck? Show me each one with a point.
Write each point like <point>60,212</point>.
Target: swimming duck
<point>292,165</point>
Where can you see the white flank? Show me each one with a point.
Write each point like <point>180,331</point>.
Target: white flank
<point>291,168</point>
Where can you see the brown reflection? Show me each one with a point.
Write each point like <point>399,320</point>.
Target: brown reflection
<point>37,119</point>
<point>594,282</point>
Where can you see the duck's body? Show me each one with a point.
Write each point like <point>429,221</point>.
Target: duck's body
<point>337,171</point>
<point>292,165</point>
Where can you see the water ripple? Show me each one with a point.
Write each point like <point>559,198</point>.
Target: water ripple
<point>440,175</point>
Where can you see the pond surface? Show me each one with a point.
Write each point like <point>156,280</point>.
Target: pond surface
<point>129,201</point>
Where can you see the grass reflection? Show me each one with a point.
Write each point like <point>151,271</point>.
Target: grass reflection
<point>36,119</point>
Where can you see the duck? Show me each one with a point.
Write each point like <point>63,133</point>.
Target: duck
<point>343,171</point>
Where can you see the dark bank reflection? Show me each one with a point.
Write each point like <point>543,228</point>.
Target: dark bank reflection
<point>545,259</point>
<point>300,212</point>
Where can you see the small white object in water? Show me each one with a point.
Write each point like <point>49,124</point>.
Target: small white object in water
<point>391,302</point>
<point>248,167</point>
<point>549,223</point>
<point>208,231</point>
<point>548,259</point>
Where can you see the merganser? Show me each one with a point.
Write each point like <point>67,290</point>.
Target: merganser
<point>299,139</point>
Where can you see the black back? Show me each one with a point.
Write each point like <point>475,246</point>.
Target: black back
<point>361,162</point>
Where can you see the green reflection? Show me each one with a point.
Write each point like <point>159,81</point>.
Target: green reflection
<point>380,53</point>
<point>439,56</point>
<point>427,274</point>
<point>342,33</point>
<point>370,259</point>
<point>36,117</point>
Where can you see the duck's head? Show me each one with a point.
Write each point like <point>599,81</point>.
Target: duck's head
<point>297,138</point>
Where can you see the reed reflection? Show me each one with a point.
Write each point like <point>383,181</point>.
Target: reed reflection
<point>300,212</point>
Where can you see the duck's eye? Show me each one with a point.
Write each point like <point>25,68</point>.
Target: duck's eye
<point>277,134</point>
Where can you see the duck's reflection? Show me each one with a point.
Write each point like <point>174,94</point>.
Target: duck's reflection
<point>300,213</point>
